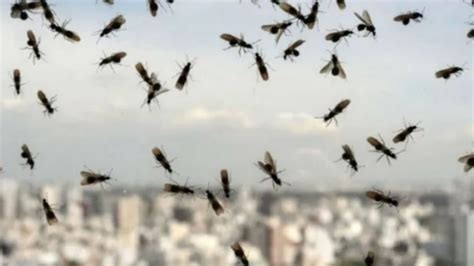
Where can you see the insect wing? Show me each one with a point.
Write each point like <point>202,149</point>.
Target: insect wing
<point>465,158</point>
<point>374,142</point>
<point>229,37</point>
<point>326,68</point>
<point>361,19</point>
<point>348,151</point>
<point>31,37</point>
<point>367,18</point>
<point>295,45</point>
<point>342,74</point>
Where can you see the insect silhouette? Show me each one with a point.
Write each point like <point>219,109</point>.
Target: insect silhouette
<point>115,58</point>
<point>405,133</point>
<point>26,154</point>
<point>470,34</point>
<point>292,51</point>
<point>338,109</point>
<point>447,72</point>
<point>109,2</point>
<point>406,17</point>
<point>349,157</point>
<point>178,189</point>
<point>337,36</point>
<point>262,66</point>
<point>277,29</point>
<point>237,42</point>
<point>47,11</point>
<point>114,25</point>
<point>143,72</point>
<point>183,76</point>
<point>19,9</point>
<point>381,198</point>
<point>17,81</point>
<point>341,4</point>
<point>291,10</point>
<point>160,158</point>
<point>216,206</point>
<point>67,34</point>
<point>468,161</point>
<point>225,181</point>
<point>370,258</point>
<point>153,6</point>
<point>366,24</point>
<point>380,147</point>
<point>311,19</point>
<point>47,103</point>
<point>239,253</point>
<point>154,90</point>
<point>33,46</point>
<point>51,218</point>
<point>334,65</point>
<point>268,166</point>
<point>90,177</point>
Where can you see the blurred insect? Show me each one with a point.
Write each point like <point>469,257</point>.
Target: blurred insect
<point>183,76</point>
<point>277,29</point>
<point>161,159</point>
<point>468,161</point>
<point>19,9</point>
<point>154,90</point>
<point>381,198</point>
<point>177,189</point>
<point>143,73</point>
<point>110,2</point>
<point>236,41</point>
<point>269,167</point>
<point>47,12</point>
<point>225,181</point>
<point>67,34</point>
<point>291,10</point>
<point>115,58</point>
<point>216,206</point>
<point>17,81</point>
<point>153,6</point>
<point>339,35</point>
<point>26,154</point>
<point>291,50</point>
<point>406,17</point>
<point>470,34</point>
<point>47,103</point>
<point>369,259</point>
<point>262,66</point>
<point>341,4</point>
<point>334,65</point>
<point>339,108</point>
<point>349,157</point>
<point>239,253</point>
<point>380,147</point>
<point>90,177</point>
<point>311,19</point>
<point>275,2</point>
<point>33,46</point>
<point>114,25</point>
<point>447,72</point>
<point>405,133</point>
<point>48,213</point>
<point>367,24</point>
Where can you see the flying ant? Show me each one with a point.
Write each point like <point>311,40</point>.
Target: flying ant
<point>291,50</point>
<point>90,177</point>
<point>370,258</point>
<point>381,198</point>
<point>216,206</point>
<point>239,253</point>
<point>336,36</point>
<point>161,159</point>
<point>291,10</point>
<point>341,4</point>
<point>262,66</point>
<point>277,29</point>
<point>26,154</point>
<point>349,157</point>
<point>17,81</point>
<point>47,103</point>
<point>405,133</point>
<point>225,181</point>
<point>335,66</point>
<point>154,90</point>
<point>18,9</point>
<point>48,213</point>
<point>183,76</point>
<point>114,25</point>
<point>143,73</point>
<point>177,189</point>
<point>67,34</point>
<point>339,108</point>
<point>33,46</point>
<point>406,17</point>
<point>236,41</point>
<point>115,58</point>
<point>366,24</point>
<point>380,147</point>
<point>312,17</point>
<point>468,161</point>
<point>447,72</point>
<point>269,168</point>
<point>470,34</point>
<point>47,12</point>
<point>153,6</point>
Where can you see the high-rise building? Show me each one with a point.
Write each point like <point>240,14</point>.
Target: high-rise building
<point>9,196</point>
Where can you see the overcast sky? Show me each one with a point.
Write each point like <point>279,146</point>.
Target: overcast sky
<point>228,119</point>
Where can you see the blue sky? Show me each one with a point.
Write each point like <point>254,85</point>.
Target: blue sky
<point>227,119</point>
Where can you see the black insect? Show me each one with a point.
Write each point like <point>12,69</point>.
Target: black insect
<point>143,72</point>
<point>339,35</point>
<point>349,157</point>
<point>161,159</point>
<point>277,29</point>
<point>268,166</point>
<point>292,51</point>
<point>47,12</point>
<point>405,133</point>
<point>17,81</point>
<point>366,24</point>
<point>153,6</point>
<point>339,108</point>
<point>468,161</point>
<point>225,181</point>
<point>20,9</point>
<point>26,154</point>
<point>447,72</point>
<point>370,258</point>
<point>90,177</point>
<point>341,4</point>
<point>470,34</point>
<point>334,65</point>
<point>311,19</point>
<point>51,218</point>
<point>183,76</point>
<point>380,147</point>
<point>114,25</point>
<point>291,10</point>
<point>177,189</point>
<point>67,34</point>
<point>262,66</point>
<point>237,42</point>
<point>33,45</point>
<point>239,253</point>
<point>109,2</point>
<point>216,206</point>
<point>115,58</point>
<point>406,17</point>
<point>154,91</point>
<point>381,198</point>
<point>47,103</point>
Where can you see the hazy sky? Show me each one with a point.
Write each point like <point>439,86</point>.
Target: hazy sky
<point>228,119</point>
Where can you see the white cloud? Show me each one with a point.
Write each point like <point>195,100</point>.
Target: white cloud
<point>301,123</point>
<point>12,103</point>
<point>207,116</point>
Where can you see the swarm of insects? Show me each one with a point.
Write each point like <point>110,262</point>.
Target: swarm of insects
<point>90,177</point>
<point>334,65</point>
<point>237,42</point>
<point>183,76</point>
<point>33,45</point>
<point>406,17</point>
<point>262,66</point>
<point>114,25</point>
<point>339,108</point>
<point>312,17</point>
<point>447,72</point>
<point>48,213</point>
<point>225,181</point>
<point>268,166</point>
<point>370,258</point>
<point>349,157</point>
<point>337,36</point>
<point>239,253</point>
<point>381,198</point>
<point>17,81</point>
<point>47,103</point>
<point>26,154</point>
<point>380,147</point>
<point>216,206</point>
<point>366,24</point>
<point>21,8</point>
<point>468,161</point>
<point>67,34</point>
<point>177,189</point>
<point>277,29</point>
<point>405,133</point>
<point>161,159</point>
<point>292,51</point>
<point>292,11</point>
<point>115,58</point>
